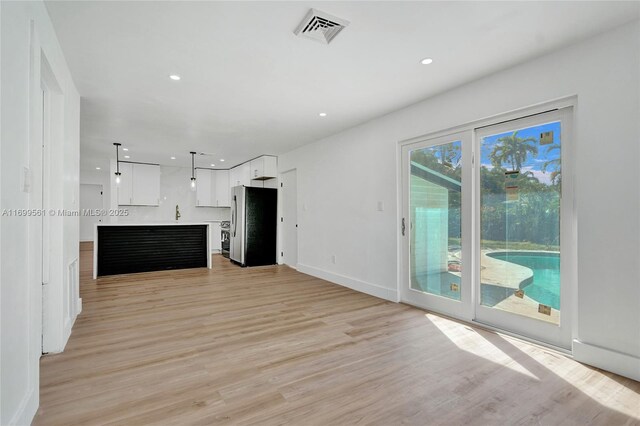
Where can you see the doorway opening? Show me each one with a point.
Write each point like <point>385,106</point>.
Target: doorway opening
<point>289,218</point>
<point>91,204</point>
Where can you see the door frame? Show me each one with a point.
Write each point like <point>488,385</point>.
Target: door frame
<point>570,249</point>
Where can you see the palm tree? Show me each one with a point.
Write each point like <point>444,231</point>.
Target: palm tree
<point>513,150</point>
<point>554,165</point>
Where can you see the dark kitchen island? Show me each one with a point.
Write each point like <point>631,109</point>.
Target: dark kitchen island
<point>130,248</point>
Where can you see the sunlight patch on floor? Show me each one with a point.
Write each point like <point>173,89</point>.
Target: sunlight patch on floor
<point>459,335</point>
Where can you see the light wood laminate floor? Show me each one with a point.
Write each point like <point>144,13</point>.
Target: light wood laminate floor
<point>270,345</point>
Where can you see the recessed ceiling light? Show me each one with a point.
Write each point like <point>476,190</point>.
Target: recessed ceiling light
<point>323,114</point>
<point>426,61</point>
<point>97,168</point>
<point>213,165</point>
<point>222,159</point>
<point>127,156</point>
<point>174,77</point>
<point>173,158</point>
<point>125,149</point>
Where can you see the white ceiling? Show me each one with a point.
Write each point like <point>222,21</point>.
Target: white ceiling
<point>250,86</point>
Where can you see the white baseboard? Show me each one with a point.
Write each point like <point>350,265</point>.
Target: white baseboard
<point>27,410</point>
<point>352,283</point>
<point>606,359</point>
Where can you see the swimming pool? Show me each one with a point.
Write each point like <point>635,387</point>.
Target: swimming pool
<point>545,287</point>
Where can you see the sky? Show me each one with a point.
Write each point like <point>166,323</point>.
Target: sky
<point>533,163</point>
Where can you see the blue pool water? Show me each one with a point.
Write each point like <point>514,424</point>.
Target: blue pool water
<point>545,287</point>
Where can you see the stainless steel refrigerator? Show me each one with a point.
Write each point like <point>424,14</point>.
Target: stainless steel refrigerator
<point>253,225</point>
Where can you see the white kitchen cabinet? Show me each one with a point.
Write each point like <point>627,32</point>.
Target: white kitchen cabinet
<point>204,188</point>
<point>139,185</point>
<point>212,188</point>
<point>245,174</point>
<point>125,187</point>
<point>146,184</point>
<point>222,189</point>
<point>233,177</point>
<point>265,167</point>
<point>259,172</point>
<point>240,175</point>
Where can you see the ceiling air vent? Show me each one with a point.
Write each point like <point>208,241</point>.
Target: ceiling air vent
<point>320,26</point>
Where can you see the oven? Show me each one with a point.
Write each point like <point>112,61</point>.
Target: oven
<point>224,236</point>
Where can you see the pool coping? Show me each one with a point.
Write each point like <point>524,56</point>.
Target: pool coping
<point>525,306</point>
<point>493,273</point>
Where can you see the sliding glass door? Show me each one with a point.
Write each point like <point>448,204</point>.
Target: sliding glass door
<point>487,216</point>
<point>437,182</point>
<point>520,221</point>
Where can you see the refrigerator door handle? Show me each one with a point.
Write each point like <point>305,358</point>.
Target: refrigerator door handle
<point>234,216</point>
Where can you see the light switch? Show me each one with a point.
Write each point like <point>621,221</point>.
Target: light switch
<point>380,206</point>
<point>26,180</point>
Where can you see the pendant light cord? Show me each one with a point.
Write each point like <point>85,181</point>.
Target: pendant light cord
<point>193,165</point>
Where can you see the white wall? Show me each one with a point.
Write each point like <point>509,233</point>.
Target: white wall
<point>341,179</point>
<point>21,309</point>
<point>174,189</point>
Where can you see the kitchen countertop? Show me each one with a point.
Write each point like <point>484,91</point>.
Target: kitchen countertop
<point>205,223</point>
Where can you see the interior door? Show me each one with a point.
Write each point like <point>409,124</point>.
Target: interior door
<point>523,227</point>
<point>436,224</point>
<point>289,220</point>
<point>90,200</point>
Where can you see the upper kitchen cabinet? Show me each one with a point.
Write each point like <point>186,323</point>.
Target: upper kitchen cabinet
<point>125,187</point>
<point>204,188</point>
<point>146,184</point>
<point>139,184</point>
<point>222,188</point>
<point>240,175</point>
<point>265,167</point>
<point>212,188</point>
<point>258,172</point>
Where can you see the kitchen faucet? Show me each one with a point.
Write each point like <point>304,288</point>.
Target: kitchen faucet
<point>177,212</point>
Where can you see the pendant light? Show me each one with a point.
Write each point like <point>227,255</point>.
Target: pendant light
<point>193,171</point>
<point>117,145</point>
